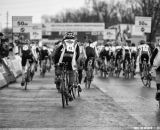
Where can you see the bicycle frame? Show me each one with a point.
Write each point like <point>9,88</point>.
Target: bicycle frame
<point>145,76</point>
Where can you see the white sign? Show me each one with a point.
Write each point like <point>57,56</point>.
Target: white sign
<point>74,27</point>
<point>36,32</point>
<point>21,24</point>
<point>109,34</point>
<point>143,24</point>
<point>22,29</point>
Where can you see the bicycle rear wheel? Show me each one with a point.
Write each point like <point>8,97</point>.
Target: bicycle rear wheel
<point>64,98</point>
<point>144,77</point>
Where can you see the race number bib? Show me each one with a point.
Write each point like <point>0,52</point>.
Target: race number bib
<point>145,48</point>
<point>25,47</point>
<point>70,45</point>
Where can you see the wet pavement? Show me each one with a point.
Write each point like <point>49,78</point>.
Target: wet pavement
<point>40,107</point>
<point>139,101</point>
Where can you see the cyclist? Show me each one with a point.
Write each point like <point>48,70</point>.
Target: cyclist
<point>104,55</point>
<point>89,53</point>
<point>43,56</point>
<point>68,52</point>
<point>133,49</point>
<point>34,49</point>
<point>111,51</point>
<point>26,54</point>
<point>119,54</point>
<point>80,66</point>
<point>144,52</point>
<point>126,55</point>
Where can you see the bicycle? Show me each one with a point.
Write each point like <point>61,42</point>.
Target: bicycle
<point>89,72</point>
<point>103,69</point>
<point>44,68</point>
<point>111,67</point>
<point>118,69</point>
<point>132,68</point>
<point>64,85</point>
<point>145,75</point>
<point>127,69</point>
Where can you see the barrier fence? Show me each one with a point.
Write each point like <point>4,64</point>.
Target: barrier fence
<point>10,69</point>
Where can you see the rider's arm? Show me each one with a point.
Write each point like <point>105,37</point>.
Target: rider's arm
<point>77,52</point>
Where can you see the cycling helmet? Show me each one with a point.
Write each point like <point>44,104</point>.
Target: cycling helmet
<point>69,35</point>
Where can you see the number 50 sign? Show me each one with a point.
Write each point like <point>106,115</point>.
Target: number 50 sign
<point>143,24</point>
<point>23,21</point>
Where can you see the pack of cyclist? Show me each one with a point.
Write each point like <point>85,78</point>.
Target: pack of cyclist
<point>32,54</point>
<point>110,58</point>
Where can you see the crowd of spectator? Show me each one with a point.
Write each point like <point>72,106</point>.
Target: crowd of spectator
<point>5,46</point>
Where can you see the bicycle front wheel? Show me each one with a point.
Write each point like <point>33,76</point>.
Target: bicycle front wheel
<point>63,99</point>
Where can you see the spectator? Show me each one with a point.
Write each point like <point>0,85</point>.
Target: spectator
<point>4,48</point>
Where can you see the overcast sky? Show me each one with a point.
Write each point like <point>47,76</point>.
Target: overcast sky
<point>35,8</point>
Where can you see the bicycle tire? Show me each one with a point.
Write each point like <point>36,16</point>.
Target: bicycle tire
<point>145,78</point>
<point>63,98</point>
<point>25,83</point>
<point>89,84</point>
<point>78,92</point>
<point>72,92</point>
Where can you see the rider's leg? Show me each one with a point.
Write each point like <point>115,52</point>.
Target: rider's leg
<point>85,67</point>
<point>23,63</point>
<point>79,79</point>
<point>71,82</point>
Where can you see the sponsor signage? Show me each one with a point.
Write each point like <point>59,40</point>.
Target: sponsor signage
<point>109,34</point>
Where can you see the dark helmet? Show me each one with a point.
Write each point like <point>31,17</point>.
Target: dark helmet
<point>142,42</point>
<point>133,44</point>
<point>69,35</point>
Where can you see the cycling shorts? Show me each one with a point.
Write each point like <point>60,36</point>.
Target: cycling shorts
<point>134,55</point>
<point>144,56</point>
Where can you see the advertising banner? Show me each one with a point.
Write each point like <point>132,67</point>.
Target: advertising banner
<point>36,32</point>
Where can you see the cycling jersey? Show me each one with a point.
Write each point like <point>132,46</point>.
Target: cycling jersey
<point>26,54</point>
<point>144,48</point>
<point>133,49</point>
<point>144,52</point>
<point>44,53</point>
<point>70,47</point>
